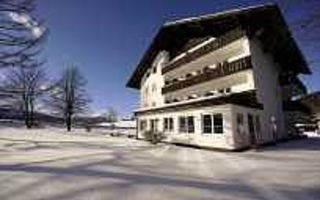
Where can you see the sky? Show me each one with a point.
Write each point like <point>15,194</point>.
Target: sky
<point>107,38</point>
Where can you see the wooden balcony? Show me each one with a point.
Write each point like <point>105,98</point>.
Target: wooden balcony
<point>219,42</point>
<point>245,99</point>
<point>221,70</point>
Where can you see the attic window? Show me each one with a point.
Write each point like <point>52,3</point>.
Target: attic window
<point>174,80</point>
<point>205,69</point>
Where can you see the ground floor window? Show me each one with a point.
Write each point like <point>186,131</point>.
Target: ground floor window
<point>168,124</point>
<point>154,125</point>
<point>207,123</point>
<point>212,124</point>
<point>258,125</point>
<point>143,125</point>
<point>186,124</point>
<point>218,123</point>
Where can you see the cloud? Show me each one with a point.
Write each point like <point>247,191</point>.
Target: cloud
<point>28,22</point>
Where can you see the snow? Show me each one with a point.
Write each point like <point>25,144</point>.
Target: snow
<point>53,164</point>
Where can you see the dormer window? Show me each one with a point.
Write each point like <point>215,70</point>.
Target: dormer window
<point>194,96</point>
<point>194,73</point>
<point>175,100</point>
<point>214,66</point>
<point>205,69</point>
<point>188,75</point>
<point>228,90</point>
<point>209,93</point>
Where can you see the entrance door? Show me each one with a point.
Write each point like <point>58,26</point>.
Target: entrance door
<point>252,135</point>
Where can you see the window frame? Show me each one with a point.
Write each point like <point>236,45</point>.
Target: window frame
<point>168,124</point>
<point>188,128</point>
<point>143,125</point>
<point>203,124</point>
<point>213,124</point>
<point>220,126</point>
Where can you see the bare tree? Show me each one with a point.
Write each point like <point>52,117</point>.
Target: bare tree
<point>111,115</point>
<point>24,86</point>
<point>69,97</point>
<point>21,34</point>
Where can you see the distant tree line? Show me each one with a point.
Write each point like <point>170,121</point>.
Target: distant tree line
<point>24,85</point>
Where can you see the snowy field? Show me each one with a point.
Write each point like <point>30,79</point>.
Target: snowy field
<point>53,164</point>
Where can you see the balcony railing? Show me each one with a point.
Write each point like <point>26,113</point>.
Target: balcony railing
<point>211,46</point>
<point>246,99</point>
<point>220,71</point>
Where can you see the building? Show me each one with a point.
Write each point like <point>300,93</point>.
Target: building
<point>220,80</point>
<point>311,112</point>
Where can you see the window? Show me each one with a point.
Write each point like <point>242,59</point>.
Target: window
<point>240,122</point>
<point>190,124</point>
<point>205,69</point>
<point>175,100</point>
<point>174,80</point>
<point>210,93</point>
<point>171,124</point>
<point>154,125</point>
<point>143,125</point>
<point>154,70</point>
<point>207,123</point>
<point>258,126</point>
<point>228,90</point>
<point>188,75</point>
<point>182,125</point>
<point>165,124</point>
<point>168,124</point>
<point>240,118</point>
<point>218,123</point>
<point>186,124</point>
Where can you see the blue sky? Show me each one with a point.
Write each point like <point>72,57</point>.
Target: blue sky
<point>106,39</point>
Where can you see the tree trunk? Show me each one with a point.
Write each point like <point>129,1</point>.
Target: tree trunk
<point>31,111</point>
<point>27,114</point>
<point>68,122</point>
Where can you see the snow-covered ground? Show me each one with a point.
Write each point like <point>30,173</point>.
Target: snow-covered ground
<point>52,164</point>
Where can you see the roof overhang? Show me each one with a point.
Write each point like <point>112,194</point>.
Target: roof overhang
<point>261,19</point>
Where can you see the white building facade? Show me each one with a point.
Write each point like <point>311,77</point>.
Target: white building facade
<point>215,81</point>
